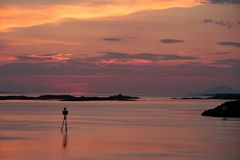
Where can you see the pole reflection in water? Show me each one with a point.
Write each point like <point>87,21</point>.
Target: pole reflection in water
<point>65,139</point>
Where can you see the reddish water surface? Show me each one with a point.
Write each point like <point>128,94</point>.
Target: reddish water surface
<point>151,129</point>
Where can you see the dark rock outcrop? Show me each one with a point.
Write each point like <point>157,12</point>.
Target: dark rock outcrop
<point>227,109</point>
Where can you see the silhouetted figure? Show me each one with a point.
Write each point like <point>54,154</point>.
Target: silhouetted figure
<point>65,113</point>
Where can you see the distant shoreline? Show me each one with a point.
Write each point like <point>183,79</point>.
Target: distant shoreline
<point>227,96</point>
<point>118,97</point>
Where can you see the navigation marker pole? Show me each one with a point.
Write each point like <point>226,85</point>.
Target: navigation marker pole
<point>65,113</point>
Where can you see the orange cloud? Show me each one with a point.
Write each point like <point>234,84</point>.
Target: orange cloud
<point>30,15</point>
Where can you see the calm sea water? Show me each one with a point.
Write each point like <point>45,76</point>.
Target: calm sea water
<point>149,129</point>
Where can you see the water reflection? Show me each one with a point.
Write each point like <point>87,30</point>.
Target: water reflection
<point>65,139</point>
<point>137,130</point>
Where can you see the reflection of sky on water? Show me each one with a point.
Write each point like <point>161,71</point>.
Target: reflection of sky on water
<point>26,125</point>
<point>2,138</point>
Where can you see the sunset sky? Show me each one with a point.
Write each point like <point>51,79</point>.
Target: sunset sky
<point>165,47</point>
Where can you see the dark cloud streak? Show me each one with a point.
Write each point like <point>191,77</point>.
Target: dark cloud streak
<point>221,1</point>
<point>29,58</point>
<point>112,39</point>
<point>221,53</point>
<point>147,56</point>
<point>232,44</point>
<point>221,23</point>
<point>171,41</point>
<point>233,62</point>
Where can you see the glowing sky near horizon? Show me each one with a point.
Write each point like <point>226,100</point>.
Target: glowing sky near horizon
<point>109,46</point>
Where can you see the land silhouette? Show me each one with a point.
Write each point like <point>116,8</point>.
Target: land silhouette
<point>228,96</point>
<point>227,109</point>
<point>118,97</point>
